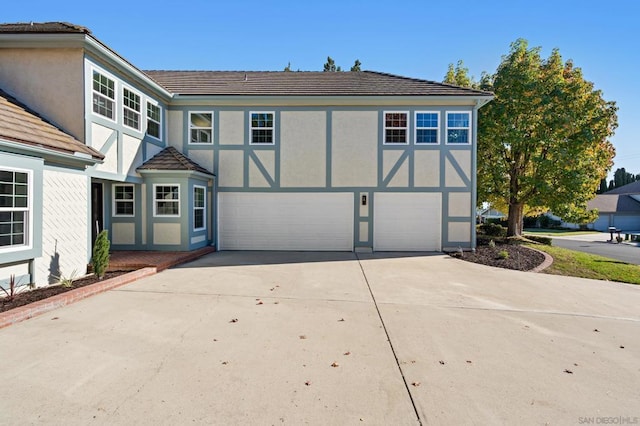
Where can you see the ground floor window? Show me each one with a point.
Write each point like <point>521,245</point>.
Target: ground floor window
<point>14,208</point>
<point>199,208</point>
<point>123,200</point>
<point>166,200</point>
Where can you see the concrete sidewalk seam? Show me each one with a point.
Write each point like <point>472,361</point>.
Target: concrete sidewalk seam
<point>386,332</point>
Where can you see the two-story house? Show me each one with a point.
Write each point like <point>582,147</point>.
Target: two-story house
<point>177,160</point>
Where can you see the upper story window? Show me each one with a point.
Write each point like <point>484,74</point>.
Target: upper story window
<point>103,95</point>
<point>262,128</point>
<point>458,127</point>
<point>166,200</point>
<point>427,125</point>
<point>199,212</point>
<point>200,127</point>
<point>395,127</point>
<point>14,209</point>
<point>131,109</point>
<point>153,120</point>
<point>123,200</point>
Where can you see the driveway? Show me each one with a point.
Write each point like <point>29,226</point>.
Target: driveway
<point>330,338</point>
<point>628,252</point>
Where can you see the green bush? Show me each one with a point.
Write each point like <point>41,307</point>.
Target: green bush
<point>100,259</point>
<point>540,239</point>
<point>493,230</point>
<point>503,254</point>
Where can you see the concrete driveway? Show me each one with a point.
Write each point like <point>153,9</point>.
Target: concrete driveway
<point>330,338</point>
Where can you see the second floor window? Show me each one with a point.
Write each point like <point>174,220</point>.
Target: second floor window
<point>131,109</point>
<point>103,95</point>
<point>262,128</point>
<point>200,127</point>
<point>395,127</point>
<point>153,120</point>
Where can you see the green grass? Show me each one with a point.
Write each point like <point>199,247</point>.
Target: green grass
<point>585,265</point>
<point>556,232</point>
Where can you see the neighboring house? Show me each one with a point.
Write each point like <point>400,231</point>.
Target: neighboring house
<point>487,214</point>
<point>248,160</point>
<point>619,208</point>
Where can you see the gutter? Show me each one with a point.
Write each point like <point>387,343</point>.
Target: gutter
<point>75,158</point>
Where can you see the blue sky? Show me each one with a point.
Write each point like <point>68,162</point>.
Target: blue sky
<point>412,38</point>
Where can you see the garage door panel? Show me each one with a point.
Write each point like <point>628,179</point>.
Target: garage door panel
<point>286,221</point>
<point>407,222</point>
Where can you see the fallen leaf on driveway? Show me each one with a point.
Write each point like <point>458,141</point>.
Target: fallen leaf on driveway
<point>568,371</point>
<point>335,364</point>
<point>416,384</point>
<point>225,362</point>
<point>308,383</point>
<point>341,320</point>
<point>260,303</point>
<point>621,347</point>
<point>468,362</point>
<point>54,318</point>
<point>302,337</point>
<point>347,353</point>
<point>596,330</point>
<point>234,320</point>
<point>442,362</point>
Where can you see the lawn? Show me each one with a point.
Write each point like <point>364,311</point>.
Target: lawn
<point>585,265</point>
<point>556,232</point>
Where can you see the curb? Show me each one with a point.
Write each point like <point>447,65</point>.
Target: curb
<point>40,307</point>
<point>548,261</point>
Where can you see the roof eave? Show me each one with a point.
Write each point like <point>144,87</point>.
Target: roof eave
<point>76,158</point>
<point>181,173</point>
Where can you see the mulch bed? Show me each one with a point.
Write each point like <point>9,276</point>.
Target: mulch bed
<point>520,258</point>
<point>29,296</point>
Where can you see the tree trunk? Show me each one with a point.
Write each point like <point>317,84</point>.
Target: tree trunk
<point>514,221</point>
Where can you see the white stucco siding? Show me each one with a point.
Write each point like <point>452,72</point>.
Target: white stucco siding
<point>176,129</point>
<point>65,229</point>
<point>231,127</point>
<point>131,154</point>
<point>354,148</point>
<point>303,141</point>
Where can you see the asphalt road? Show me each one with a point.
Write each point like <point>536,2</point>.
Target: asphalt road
<point>597,244</point>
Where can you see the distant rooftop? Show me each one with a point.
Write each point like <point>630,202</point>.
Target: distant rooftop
<point>304,83</point>
<point>43,27</point>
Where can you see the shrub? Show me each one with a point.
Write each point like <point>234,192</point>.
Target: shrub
<point>493,230</point>
<point>503,254</point>
<point>530,221</point>
<point>492,243</point>
<point>100,259</point>
<point>13,290</point>
<point>67,282</point>
<point>540,239</point>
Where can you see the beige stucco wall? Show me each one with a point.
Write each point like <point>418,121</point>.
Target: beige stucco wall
<point>175,127</point>
<point>131,154</point>
<point>463,159</point>
<point>65,228</point>
<point>303,147</point>
<point>354,148</point>
<point>426,168</point>
<point>49,81</point>
<point>123,233</point>
<point>166,233</point>
<point>231,169</point>
<point>459,232</point>
<point>202,157</point>
<point>460,204</point>
<point>231,127</point>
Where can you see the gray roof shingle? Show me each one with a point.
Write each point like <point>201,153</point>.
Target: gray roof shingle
<point>305,83</point>
<point>18,123</point>
<point>614,203</point>
<point>630,188</point>
<point>42,27</point>
<point>171,159</point>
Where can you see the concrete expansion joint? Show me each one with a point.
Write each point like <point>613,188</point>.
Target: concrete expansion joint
<point>393,351</point>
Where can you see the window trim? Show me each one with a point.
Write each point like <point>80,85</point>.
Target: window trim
<point>384,128</point>
<point>125,107</point>
<point>28,229</point>
<point>190,127</point>
<point>416,128</point>
<point>272,128</point>
<point>447,128</point>
<point>203,208</point>
<point>114,210</point>
<point>155,200</point>
<point>110,76</point>
<point>147,119</point>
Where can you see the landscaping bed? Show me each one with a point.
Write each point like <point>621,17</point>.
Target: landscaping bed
<point>504,255</point>
<point>29,296</point>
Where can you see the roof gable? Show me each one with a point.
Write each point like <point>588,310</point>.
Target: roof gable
<point>171,159</point>
<point>18,123</point>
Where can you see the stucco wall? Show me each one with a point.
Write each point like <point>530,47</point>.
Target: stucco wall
<point>65,229</point>
<point>354,150</point>
<point>49,81</point>
<point>303,141</point>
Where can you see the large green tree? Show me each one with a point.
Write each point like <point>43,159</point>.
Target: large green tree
<point>543,142</point>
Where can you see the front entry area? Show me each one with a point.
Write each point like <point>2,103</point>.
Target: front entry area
<point>285,221</point>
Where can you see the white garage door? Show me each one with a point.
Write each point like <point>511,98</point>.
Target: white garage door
<point>407,221</point>
<point>285,221</point>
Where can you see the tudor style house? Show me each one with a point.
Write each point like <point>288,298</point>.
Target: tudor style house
<point>177,160</point>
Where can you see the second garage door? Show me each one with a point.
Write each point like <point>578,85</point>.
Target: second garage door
<point>285,221</point>
<point>407,221</point>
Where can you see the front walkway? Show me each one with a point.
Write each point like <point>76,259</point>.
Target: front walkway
<point>129,260</point>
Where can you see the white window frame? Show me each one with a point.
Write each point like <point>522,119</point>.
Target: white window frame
<point>385,128</point>
<point>155,200</point>
<point>191,127</point>
<point>98,93</point>
<point>28,226</point>
<point>115,201</point>
<point>447,128</point>
<point>127,108</point>
<point>272,128</point>
<point>416,128</point>
<point>203,208</point>
<point>149,119</point>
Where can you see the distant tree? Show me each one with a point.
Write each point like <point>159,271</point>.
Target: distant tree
<point>288,67</point>
<point>459,76</point>
<point>621,178</point>
<point>330,65</point>
<point>544,139</point>
<point>611,186</point>
<point>356,66</point>
<point>603,186</point>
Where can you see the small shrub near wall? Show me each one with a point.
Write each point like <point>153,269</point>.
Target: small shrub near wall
<point>493,230</point>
